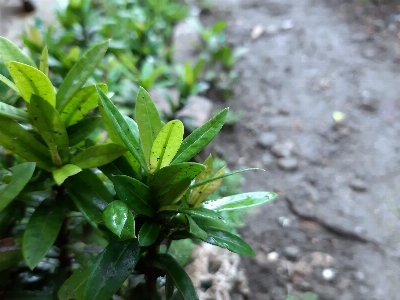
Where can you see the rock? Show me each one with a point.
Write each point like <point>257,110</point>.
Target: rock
<point>197,110</point>
<point>257,31</point>
<point>267,139</point>
<point>267,159</point>
<point>292,252</point>
<point>185,38</point>
<point>304,286</point>
<point>285,222</point>
<point>359,37</point>
<point>287,25</point>
<point>273,256</point>
<point>288,163</point>
<point>160,97</point>
<point>358,185</point>
<point>360,276</point>
<point>328,274</point>
<point>282,149</point>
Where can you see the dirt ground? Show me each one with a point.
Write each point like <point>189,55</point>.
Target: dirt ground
<point>334,230</point>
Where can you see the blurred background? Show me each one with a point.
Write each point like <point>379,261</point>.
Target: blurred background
<point>313,88</point>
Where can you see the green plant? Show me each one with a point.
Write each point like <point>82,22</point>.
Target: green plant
<point>84,219</point>
<point>305,296</point>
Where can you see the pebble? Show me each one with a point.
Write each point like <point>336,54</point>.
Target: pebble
<point>291,252</point>
<point>360,276</point>
<point>358,185</point>
<point>287,25</point>
<point>285,222</point>
<point>282,149</point>
<point>328,274</point>
<point>267,139</point>
<point>267,159</point>
<point>288,163</point>
<point>273,256</point>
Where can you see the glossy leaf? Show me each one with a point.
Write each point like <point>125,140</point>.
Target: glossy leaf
<point>169,287</point>
<point>165,178</point>
<point>48,122</point>
<point>81,130</point>
<point>13,113</point>
<point>117,261</point>
<point>81,103</point>
<point>79,74</point>
<point>10,52</point>
<point>44,62</point>
<point>41,232</point>
<point>64,172</point>
<point>74,285</point>
<point>225,239</point>
<point>177,191</point>
<point>148,121</point>
<point>30,80</point>
<point>166,145</point>
<point>148,233</point>
<point>120,126</point>
<point>98,155</point>
<point>195,229</point>
<point>128,232</point>
<point>134,193</point>
<point>240,201</point>
<point>200,138</point>
<point>206,217</point>
<point>180,278</point>
<point>9,83</point>
<point>115,216</point>
<point>22,173</point>
<point>18,140</point>
<point>10,254</point>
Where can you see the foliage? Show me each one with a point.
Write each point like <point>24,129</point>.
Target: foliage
<point>86,217</point>
<point>305,296</point>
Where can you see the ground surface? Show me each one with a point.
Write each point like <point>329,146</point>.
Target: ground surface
<point>333,230</point>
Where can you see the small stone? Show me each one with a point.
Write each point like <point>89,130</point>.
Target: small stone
<point>267,159</point>
<point>284,222</point>
<point>287,25</point>
<point>304,286</point>
<point>328,274</point>
<point>257,31</point>
<point>360,276</point>
<point>291,252</point>
<point>271,29</point>
<point>369,104</point>
<point>267,139</point>
<point>358,185</point>
<point>273,256</point>
<point>282,149</point>
<point>288,163</point>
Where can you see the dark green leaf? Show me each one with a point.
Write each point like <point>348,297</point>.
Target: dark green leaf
<point>195,229</point>
<point>81,130</point>
<point>21,175</point>
<point>117,261</point>
<point>225,239</point>
<point>121,127</point>
<point>11,112</point>
<point>240,201</point>
<point>79,74</point>
<point>169,287</point>
<point>200,138</point>
<point>98,155</point>
<point>10,254</point>
<point>180,278</point>
<point>44,62</point>
<point>119,166</point>
<point>206,217</point>
<point>10,52</point>
<point>48,122</point>
<point>177,191</point>
<point>74,285</point>
<point>115,216</point>
<point>41,232</point>
<point>148,233</point>
<point>128,232</point>
<point>134,193</point>
<point>13,211</point>
<point>30,80</point>
<point>64,172</point>
<point>148,120</point>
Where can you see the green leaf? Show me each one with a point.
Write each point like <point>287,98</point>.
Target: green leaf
<point>81,103</point>
<point>10,52</point>
<point>120,126</point>
<point>148,120</point>
<point>119,166</point>
<point>15,210</point>
<point>74,285</point>
<point>195,229</point>
<point>148,233</point>
<point>169,287</point>
<point>117,261</point>
<point>128,232</point>
<point>180,278</point>
<point>30,80</point>
<point>81,130</point>
<point>240,201</point>
<point>44,62</point>
<point>200,138</point>
<point>79,74</point>
<point>13,113</point>
<point>48,122</point>
<point>166,145</point>
<point>64,172</point>
<point>98,155</point>
<point>115,216</point>
<point>165,178</point>
<point>134,193</point>
<point>18,140</point>
<point>10,254</point>
<point>21,175</point>
<point>206,217</point>
<point>177,191</point>
<point>225,239</point>
<point>9,83</point>
<point>41,232</point>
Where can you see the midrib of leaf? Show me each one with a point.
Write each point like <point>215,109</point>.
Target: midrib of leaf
<point>164,148</point>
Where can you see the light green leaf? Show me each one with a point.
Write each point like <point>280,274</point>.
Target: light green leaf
<point>13,113</point>
<point>9,83</point>
<point>166,145</point>
<point>41,232</point>
<point>32,81</point>
<point>240,201</point>
<point>206,217</point>
<point>148,120</point>
<point>74,284</point>
<point>79,74</point>
<point>64,172</point>
<point>177,191</point>
<point>200,138</point>
<point>195,229</point>
<point>22,173</point>
<point>48,122</point>
<point>81,130</point>
<point>44,62</point>
<point>148,233</point>
<point>115,216</point>
<point>10,52</point>
<point>98,155</point>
